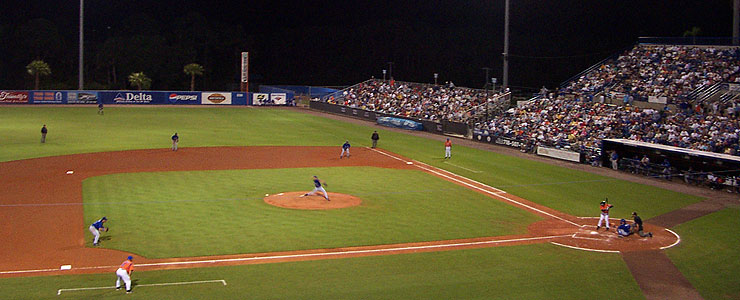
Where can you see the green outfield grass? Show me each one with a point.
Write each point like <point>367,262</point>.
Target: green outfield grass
<point>222,212</point>
<point>540,271</point>
<point>522,272</point>
<point>709,254</point>
<point>80,129</point>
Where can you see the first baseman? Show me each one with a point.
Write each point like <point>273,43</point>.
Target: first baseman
<point>345,149</point>
<point>124,273</point>
<point>95,229</point>
<point>317,187</point>
<point>604,207</point>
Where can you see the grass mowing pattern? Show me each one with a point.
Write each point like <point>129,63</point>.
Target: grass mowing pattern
<point>708,254</point>
<point>488,273</point>
<point>80,129</point>
<point>222,212</point>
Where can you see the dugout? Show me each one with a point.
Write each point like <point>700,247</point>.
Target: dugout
<point>681,159</point>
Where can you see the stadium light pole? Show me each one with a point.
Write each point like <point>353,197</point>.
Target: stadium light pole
<point>384,70</point>
<point>736,22</point>
<point>505,83</point>
<point>390,69</point>
<point>436,75</point>
<point>80,80</point>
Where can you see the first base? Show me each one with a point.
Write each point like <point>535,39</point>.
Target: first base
<point>409,163</point>
<point>70,172</point>
<point>65,267</point>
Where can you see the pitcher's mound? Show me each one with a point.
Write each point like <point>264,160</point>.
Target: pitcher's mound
<point>295,201</point>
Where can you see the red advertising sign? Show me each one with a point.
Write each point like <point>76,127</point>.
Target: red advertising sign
<point>13,97</point>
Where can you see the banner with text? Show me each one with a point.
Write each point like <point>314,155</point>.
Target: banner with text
<point>217,98</point>
<point>48,97</point>
<point>13,96</point>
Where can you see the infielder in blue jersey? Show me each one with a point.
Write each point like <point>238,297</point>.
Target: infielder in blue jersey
<point>345,149</point>
<point>95,229</point>
<point>317,187</point>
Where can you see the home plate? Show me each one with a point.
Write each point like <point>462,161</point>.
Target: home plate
<point>409,163</point>
<point>65,267</point>
<point>594,232</point>
<point>70,172</point>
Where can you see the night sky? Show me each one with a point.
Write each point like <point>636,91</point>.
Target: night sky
<point>334,43</point>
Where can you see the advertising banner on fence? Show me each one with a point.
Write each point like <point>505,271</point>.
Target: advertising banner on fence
<point>216,98</point>
<point>559,154</point>
<point>183,98</point>
<point>239,98</point>
<point>13,97</point>
<point>82,97</point>
<point>400,123</point>
<point>132,97</point>
<point>656,99</point>
<point>260,99</point>
<point>278,98</point>
<point>48,97</point>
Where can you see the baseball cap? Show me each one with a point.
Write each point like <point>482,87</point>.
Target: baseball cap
<point>104,218</point>
<point>622,220</point>
<point>130,257</point>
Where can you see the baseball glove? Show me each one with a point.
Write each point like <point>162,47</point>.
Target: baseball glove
<point>104,229</point>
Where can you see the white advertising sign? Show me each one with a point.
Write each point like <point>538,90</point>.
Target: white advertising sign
<point>245,67</point>
<point>560,154</point>
<point>260,98</point>
<point>216,98</point>
<point>278,98</point>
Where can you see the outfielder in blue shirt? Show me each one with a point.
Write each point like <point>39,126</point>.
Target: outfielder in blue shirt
<point>345,149</point>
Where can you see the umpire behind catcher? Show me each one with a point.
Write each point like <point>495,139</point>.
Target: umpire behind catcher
<point>638,222</point>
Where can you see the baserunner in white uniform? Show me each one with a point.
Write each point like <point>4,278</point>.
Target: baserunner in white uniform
<point>318,188</point>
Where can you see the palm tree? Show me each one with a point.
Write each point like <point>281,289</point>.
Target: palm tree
<point>192,70</point>
<point>695,31</point>
<point>140,80</point>
<point>38,68</point>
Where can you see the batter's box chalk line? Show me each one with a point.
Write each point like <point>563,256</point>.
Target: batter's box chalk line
<point>59,292</point>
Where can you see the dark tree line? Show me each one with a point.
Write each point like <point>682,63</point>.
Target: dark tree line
<point>328,42</point>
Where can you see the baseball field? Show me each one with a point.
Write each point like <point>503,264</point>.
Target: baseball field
<point>200,223</point>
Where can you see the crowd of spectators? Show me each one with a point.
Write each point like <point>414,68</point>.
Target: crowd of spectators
<point>415,100</point>
<point>669,71</point>
<point>575,124</point>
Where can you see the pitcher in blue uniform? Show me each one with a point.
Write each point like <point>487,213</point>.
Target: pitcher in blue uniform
<point>345,149</point>
<point>318,187</point>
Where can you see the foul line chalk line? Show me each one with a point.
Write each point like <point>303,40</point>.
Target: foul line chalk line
<point>498,192</point>
<point>265,258</point>
<point>584,249</point>
<point>461,167</point>
<point>59,292</point>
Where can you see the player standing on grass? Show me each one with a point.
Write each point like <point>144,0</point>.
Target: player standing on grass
<point>124,273</point>
<point>345,149</point>
<point>96,227</point>
<point>375,137</point>
<point>604,207</point>
<point>175,140</point>
<point>317,187</point>
<point>448,149</point>
<point>43,133</point>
